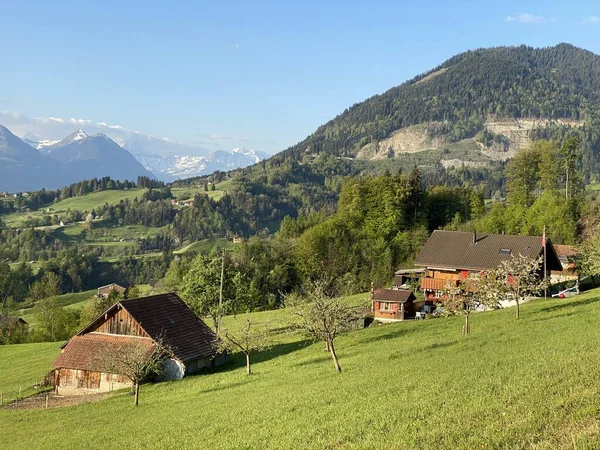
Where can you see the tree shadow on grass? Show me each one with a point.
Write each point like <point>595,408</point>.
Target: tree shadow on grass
<point>238,360</point>
<point>556,316</point>
<point>392,334</point>
<point>424,349</point>
<point>225,387</point>
<point>318,360</point>
<point>569,304</point>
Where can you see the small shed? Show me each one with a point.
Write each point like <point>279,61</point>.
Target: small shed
<point>392,305</point>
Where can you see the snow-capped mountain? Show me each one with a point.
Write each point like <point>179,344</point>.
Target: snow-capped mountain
<point>36,142</point>
<point>95,156</point>
<point>167,159</point>
<point>173,167</point>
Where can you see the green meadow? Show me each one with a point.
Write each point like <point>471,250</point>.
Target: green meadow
<point>531,383</point>
<point>83,203</point>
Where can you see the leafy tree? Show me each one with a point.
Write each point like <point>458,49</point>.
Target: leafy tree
<point>200,288</point>
<point>47,286</point>
<point>55,322</point>
<point>588,260</point>
<point>571,154</point>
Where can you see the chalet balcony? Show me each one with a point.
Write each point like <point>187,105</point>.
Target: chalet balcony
<point>436,284</point>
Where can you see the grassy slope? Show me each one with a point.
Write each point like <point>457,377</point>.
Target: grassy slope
<point>23,366</point>
<point>531,383</point>
<point>207,245</point>
<point>83,203</point>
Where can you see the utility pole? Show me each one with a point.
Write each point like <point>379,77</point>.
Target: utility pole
<point>221,292</point>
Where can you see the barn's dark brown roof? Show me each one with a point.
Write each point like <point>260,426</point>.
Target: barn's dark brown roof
<point>86,352</point>
<point>459,250</point>
<point>166,316</point>
<point>393,295</point>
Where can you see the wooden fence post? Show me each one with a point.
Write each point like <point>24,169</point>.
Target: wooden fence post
<point>47,401</point>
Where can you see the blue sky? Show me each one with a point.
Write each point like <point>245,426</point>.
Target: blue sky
<point>257,74</point>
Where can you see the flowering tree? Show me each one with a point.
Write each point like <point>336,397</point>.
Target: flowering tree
<point>518,278</point>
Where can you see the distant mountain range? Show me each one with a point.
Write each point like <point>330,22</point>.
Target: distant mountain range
<point>56,164</point>
<point>152,153</point>
<point>173,167</point>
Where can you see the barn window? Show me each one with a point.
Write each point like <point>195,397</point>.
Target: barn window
<point>504,251</point>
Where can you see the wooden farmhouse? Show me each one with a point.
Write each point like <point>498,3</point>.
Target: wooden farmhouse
<point>104,291</point>
<point>449,256</point>
<point>81,367</point>
<point>392,305</point>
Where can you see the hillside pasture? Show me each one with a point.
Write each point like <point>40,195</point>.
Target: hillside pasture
<point>419,384</point>
<point>207,245</point>
<point>87,202</point>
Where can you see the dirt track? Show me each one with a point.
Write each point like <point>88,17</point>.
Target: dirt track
<point>55,401</point>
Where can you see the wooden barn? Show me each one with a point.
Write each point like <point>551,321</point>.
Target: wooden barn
<point>449,256</point>
<point>12,324</point>
<point>392,305</point>
<point>79,368</point>
<point>104,291</point>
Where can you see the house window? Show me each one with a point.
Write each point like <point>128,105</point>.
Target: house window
<point>504,251</point>
<point>386,306</point>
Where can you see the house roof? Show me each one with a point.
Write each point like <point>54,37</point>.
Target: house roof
<point>11,321</point>
<point>86,352</point>
<point>392,295</point>
<point>167,316</point>
<point>114,286</point>
<point>459,250</point>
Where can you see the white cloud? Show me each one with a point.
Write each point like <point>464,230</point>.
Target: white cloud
<point>595,20</point>
<point>53,119</point>
<point>80,121</point>
<point>530,18</point>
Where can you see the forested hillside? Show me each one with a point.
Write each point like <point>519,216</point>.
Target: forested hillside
<point>557,89</point>
<point>315,210</point>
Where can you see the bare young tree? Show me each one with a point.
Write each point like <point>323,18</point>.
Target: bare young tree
<point>249,338</point>
<point>136,358</point>
<point>324,318</point>
<point>459,301</point>
<point>519,278</point>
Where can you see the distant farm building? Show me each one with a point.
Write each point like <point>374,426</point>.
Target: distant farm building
<point>12,324</point>
<point>566,255</point>
<point>105,291</point>
<point>392,305</point>
<point>238,240</point>
<point>81,367</point>
<point>450,256</point>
